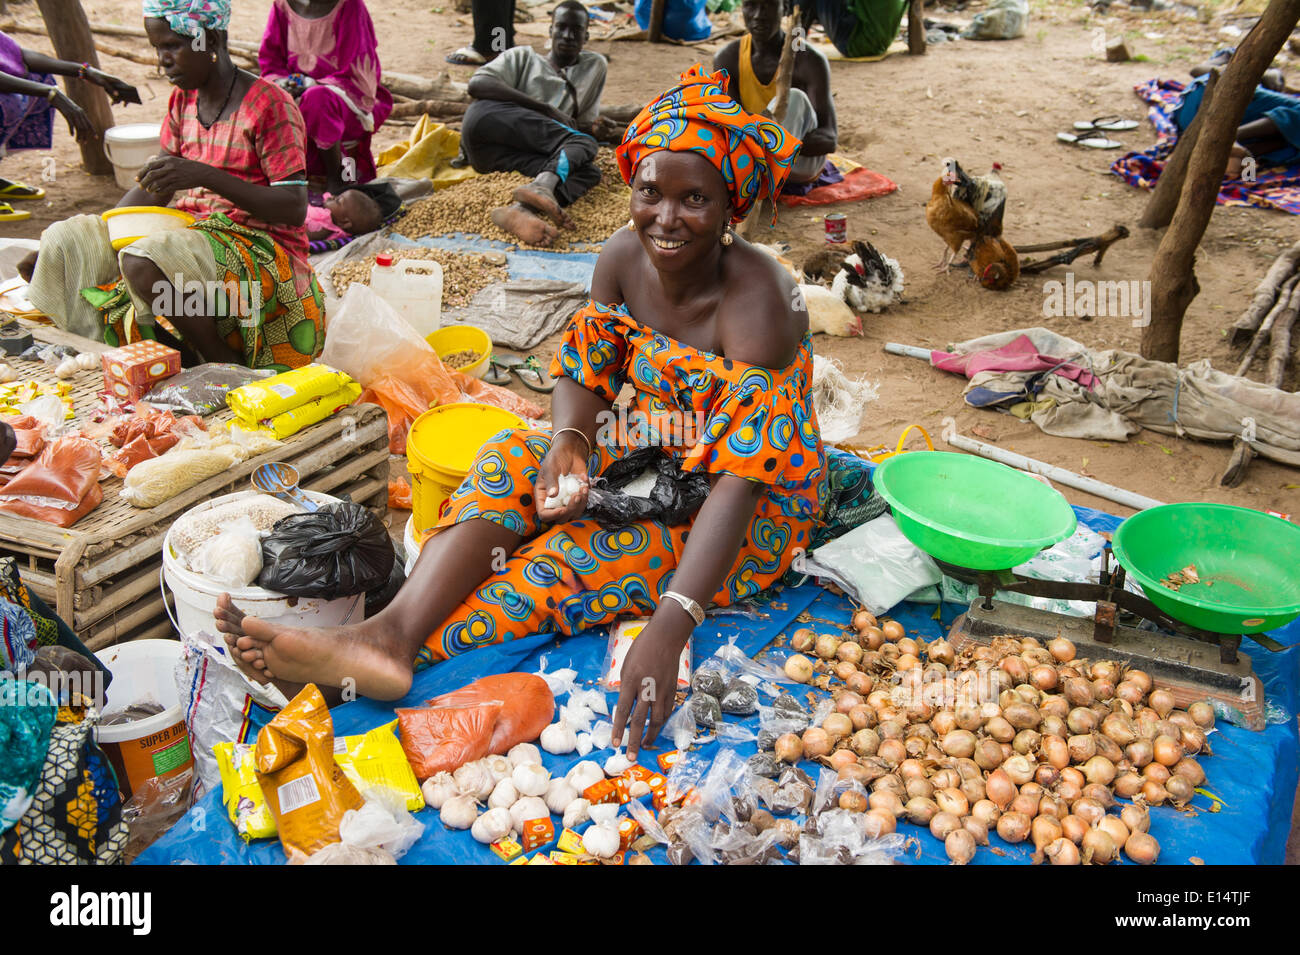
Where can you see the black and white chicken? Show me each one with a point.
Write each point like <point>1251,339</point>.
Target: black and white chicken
<point>987,195</point>
<point>866,279</point>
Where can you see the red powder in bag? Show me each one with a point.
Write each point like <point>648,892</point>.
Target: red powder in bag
<point>527,711</point>
<point>61,486</point>
<point>441,739</point>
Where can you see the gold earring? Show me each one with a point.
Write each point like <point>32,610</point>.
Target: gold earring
<point>728,236</point>
<point>214,57</point>
<point>631,225</point>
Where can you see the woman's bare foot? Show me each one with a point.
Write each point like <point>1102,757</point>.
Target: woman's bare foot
<point>350,657</point>
<point>1235,159</point>
<point>536,196</point>
<point>526,225</point>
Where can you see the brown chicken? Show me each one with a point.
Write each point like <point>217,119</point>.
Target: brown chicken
<point>994,262</point>
<point>954,221</point>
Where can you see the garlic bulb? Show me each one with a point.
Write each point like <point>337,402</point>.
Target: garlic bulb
<point>504,795</point>
<point>87,362</point>
<point>7,373</point>
<point>523,754</point>
<point>603,813</point>
<point>617,764</point>
<point>638,788</point>
<point>459,812</point>
<point>586,773</point>
<point>559,794</point>
<point>475,779</point>
<point>576,813</point>
<point>67,368</point>
<point>601,841</point>
<point>438,789</point>
<point>530,779</point>
<point>529,807</point>
<point>559,739</point>
<point>498,766</point>
<point>492,825</point>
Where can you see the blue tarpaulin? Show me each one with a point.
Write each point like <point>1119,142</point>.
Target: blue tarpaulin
<point>1254,773</point>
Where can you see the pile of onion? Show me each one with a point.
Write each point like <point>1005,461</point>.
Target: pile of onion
<point>1016,737</point>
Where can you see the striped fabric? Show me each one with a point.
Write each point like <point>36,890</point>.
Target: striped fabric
<point>262,142</point>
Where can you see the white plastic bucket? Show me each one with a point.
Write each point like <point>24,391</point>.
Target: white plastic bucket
<point>159,745</point>
<point>196,595</point>
<point>129,147</point>
<point>412,548</point>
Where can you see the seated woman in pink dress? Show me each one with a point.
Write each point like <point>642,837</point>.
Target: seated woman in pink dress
<point>324,52</point>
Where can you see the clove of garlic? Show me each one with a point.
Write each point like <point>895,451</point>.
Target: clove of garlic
<point>67,368</point>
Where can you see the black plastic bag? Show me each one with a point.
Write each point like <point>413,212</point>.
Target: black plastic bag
<point>675,496</point>
<point>340,550</point>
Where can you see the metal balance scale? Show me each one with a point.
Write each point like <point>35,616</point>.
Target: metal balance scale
<point>1211,573</point>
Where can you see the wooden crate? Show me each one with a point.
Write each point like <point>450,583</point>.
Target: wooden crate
<point>103,574</point>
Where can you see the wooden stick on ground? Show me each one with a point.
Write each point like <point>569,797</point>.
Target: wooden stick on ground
<point>916,27</point>
<point>437,108</point>
<point>1074,249</point>
<point>1284,301</point>
<point>1265,295</point>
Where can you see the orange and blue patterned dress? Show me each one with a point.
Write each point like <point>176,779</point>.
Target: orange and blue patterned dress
<point>713,414</point>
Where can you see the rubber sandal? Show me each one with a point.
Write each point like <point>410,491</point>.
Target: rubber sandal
<point>12,191</point>
<point>530,371</point>
<point>1092,142</point>
<point>9,214</point>
<point>466,56</point>
<point>497,373</point>
<point>1108,124</point>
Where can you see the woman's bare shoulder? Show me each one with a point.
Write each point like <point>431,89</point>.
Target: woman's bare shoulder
<point>617,257</point>
<point>762,323</point>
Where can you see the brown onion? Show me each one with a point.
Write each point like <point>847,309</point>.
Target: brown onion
<point>1082,748</point>
<point>837,725</point>
<point>1142,848</point>
<point>1000,730</point>
<point>1127,785</point>
<point>960,846</point>
<point>953,801</point>
<point>865,742</point>
<point>816,742</point>
<point>1081,721</point>
<point>862,717</point>
<point>959,743</point>
<point>1156,771</point>
<point>1026,742</point>
<point>859,683</point>
<point>1054,726</point>
<point>1115,828</point>
<point>1202,714</point>
<point>1046,775</point>
<point>1167,751</point>
<point>1137,818</point>
<point>1119,728</point>
<point>1191,769</point>
<point>1098,847</point>
<point>979,832</point>
<point>1162,701</point>
<point>985,812</point>
<point>908,645</point>
<point>1019,768</point>
<point>1053,806</point>
<point>1141,678</point>
<point>893,630</point>
<point>1193,741</point>
<point>803,640</point>
<point>1015,667</point>
<point>1062,649</point>
<point>1140,752</point>
<point>859,773</point>
<point>919,787</point>
<point>1055,705</point>
<point>1044,677</point>
<point>1068,790</point>
<point>920,810</point>
<point>892,751</point>
<point>1045,830</point>
<point>844,670</point>
<point>1129,692</point>
<point>1022,716</point>
<point>1025,803</point>
<point>941,651</point>
<point>863,619</point>
<point>841,758</point>
<point>1062,852</point>
<point>1074,827</point>
<point>1078,691</point>
<point>1013,827</point>
<point>891,729</point>
<point>944,823</point>
<point>873,638</point>
<point>1108,747</point>
<point>853,801</point>
<point>880,822</point>
<point>1183,720</point>
<point>973,789</point>
<point>1000,789</point>
<point>1056,751</point>
<point>1179,789</point>
<point>1154,793</point>
<point>1072,774</point>
<point>886,801</point>
<point>788,748</point>
<point>1089,810</point>
<point>1099,769</point>
<point>826,646</point>
<point>889,782</point>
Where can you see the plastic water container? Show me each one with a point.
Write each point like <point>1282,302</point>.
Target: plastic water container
<point>413,287</point>
<point>129,147</point>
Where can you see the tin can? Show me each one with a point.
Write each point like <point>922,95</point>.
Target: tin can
<point>837,227</point>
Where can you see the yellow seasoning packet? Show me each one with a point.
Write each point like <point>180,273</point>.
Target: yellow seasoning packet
<point>260,400</point>
<point>295,419</point>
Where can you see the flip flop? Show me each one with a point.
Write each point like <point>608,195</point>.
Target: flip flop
<point>1092,142</point>
<point>497,373</point>
<point>19,190</point>
<point>1109,124</point>
<point>466,56</point>
<point>529,370</point>
<point>9,214</point>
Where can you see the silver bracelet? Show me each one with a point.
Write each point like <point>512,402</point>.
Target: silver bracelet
<point>689,605</point>
<point>574,431</point>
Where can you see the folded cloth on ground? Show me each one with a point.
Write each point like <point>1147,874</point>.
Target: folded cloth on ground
<point>522,312</point>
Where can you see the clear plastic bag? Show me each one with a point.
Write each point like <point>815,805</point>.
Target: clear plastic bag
<point>202,390</point>
<point>233,558</point>
<point>873,563</point>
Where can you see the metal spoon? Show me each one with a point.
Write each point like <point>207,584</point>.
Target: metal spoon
<point>281,480</point>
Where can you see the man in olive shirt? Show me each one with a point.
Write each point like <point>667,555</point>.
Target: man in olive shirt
<point>856,27</point>
<point>537,115</point>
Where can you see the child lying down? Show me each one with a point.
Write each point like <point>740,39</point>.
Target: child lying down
<point>354,211</point>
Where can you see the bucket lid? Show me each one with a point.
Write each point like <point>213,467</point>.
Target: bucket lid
<point>449,436</point>
<point>134,132</point>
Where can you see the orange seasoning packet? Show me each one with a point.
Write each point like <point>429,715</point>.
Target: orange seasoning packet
<point>304,787</point>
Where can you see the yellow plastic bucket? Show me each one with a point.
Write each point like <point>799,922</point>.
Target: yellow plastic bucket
<point>453,338</point>
<point>441,449</point>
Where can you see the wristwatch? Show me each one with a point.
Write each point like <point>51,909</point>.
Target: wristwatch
<point>689,605</point>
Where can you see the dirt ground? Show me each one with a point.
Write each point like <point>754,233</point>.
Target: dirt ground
<point>979,102</point>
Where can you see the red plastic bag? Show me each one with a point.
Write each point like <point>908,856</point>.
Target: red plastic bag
<point>399,493</point>
<point>401,402</point>
<point>443,738</point>
<point>30,434</point>
<point>147,434</point>
<point>61,486</point>
<point>528,707</point>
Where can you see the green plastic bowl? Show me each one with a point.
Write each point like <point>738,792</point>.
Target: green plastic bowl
<point>1248,562</point>
<point>970,511</point>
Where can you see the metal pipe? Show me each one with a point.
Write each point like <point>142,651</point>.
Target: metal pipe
<point>1069,478</point>
<point>908,351</point>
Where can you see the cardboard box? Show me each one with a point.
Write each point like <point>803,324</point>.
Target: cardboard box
<point>130,371</point>
<point>668,760</point>
<point>628,830</point>
<point>537,833</point>
<point>507,849</point>
<point>570,842</point>
<point>603,791</point>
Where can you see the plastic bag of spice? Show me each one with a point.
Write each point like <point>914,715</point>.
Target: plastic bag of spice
<point>528,708</point>
<point>439,739</point>
<point>61,486</point>
<point>306,790</point>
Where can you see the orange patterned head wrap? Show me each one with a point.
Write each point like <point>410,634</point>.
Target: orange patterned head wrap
<point>752,153</point>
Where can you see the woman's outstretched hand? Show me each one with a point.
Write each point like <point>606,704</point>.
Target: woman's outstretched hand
<point>649,684</point>
<point>568,455</point>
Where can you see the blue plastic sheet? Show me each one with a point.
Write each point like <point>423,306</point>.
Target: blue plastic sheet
<point>520,263</point>
<point>1255,774</point>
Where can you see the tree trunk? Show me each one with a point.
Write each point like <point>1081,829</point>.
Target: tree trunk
<point>1164,198</point>
<point>656,26</point>
<point>69,33</point>
<point>916,27</point>
<point>1173,282</point>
